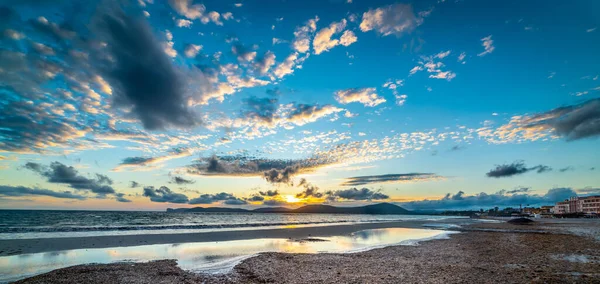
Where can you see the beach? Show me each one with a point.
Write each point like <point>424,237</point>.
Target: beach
<point>548,250</point>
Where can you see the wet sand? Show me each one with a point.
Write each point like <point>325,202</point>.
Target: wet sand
<point>549,251</point>
<point>25,246</point>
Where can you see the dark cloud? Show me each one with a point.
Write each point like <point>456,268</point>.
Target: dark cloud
<point>589,191</point>
<point>309,191</point>
<point>457,148</point>
<point>270,193</point>
<point>120,197</point>
<point>356,194</point>
<point>180,180</point>
<point>540,169</point>
<point>227,198</point>
<point>484,200</point>
<point>516,168</point>
<point>164,194</point>
<point>134,184</point>
<point>63,174</point>
<point>572,122</point>
<point>28,128</point>
<point>6,190</point>
<point>518,190</point>
<point>142,76</point>
<point>261,109</point>
<point>390,178</point>
<point>282,175</point>
<point>242,165</point>
<point>566,169</point>
<point>255,198</point>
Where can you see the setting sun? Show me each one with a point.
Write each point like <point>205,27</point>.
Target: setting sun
<point>291,199</point>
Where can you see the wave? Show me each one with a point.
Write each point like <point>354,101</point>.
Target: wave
<point>170,227</point>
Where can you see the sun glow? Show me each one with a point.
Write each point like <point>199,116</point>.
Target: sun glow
<point>291,199</point>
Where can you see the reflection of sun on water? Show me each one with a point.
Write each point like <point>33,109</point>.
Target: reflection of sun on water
<point>291,199</point>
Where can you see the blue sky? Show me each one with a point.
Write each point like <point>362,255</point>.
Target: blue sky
<point>156,104</point>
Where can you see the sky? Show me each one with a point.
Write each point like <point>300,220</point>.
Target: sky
<point>148,104</point>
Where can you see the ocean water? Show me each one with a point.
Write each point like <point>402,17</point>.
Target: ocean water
<point>211,257</point>
<point>30,224</point>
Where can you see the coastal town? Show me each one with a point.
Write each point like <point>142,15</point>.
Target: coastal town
<point>574,207</point>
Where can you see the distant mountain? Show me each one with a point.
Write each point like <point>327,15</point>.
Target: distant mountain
<point>379,208</point>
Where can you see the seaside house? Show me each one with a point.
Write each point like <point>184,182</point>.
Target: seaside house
<point>587,205</point>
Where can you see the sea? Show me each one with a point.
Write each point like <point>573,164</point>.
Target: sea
<point>200,257</point>
<point>34,224</point>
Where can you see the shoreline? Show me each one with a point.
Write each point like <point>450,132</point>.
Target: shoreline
<point>29,246</point>
<point>503,252</point>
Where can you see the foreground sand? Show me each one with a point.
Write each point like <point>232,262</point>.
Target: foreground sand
<point>546,252</point>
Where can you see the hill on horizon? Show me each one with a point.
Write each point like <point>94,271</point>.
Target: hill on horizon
<point>379,208</point>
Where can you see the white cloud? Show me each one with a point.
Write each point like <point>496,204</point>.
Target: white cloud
<point>265,64</point>
<point>12,34</point>
<point>183,23</point>
<point>395,19</point>
<point>401,99</point>
<point>443,54</point>
<point>168,45</point>
<point>323,41</point>
<point>590,30</point>
<point>348,38</point>
<point>302,35</point>
<point>366,96</point>
<point>227,16</point>
<point>461,57</point>
<point>488,45</point>
<point>186,9</point>
<point>287,66</point>
<point>191,50</point>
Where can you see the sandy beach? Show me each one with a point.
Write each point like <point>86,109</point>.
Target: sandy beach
<point>548,251</point>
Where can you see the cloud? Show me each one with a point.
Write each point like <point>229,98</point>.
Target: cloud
<point>252,166</point>
<point>518,190</point>
<point>589,191</point>
<point>164,194</point>
<point>183,23</point>
<point>226,198</point>
<point>572,122</point>
<point>302,114</point>
<point>391,178</point>
<point>186,9</point>
<point>484,200</point>
<point>144,80</point>
<point>348,38</point>
<point>265,63</point>
<point>309,190</point>
<point>270,193</point>
<point>515,168</point>
<point>14,191</point>
<point>149,163</point>
<point>134,184</point>
<point>120,197</point>
<point>434,67</point>
<point>302,35</point>
<point>366,96</point>
<point>566,169</point>
<point>261,109</point>
<point>29,128</point>
<point>396,19</point>
<point>356,194</point>
<point>191,50</point>
<point>181,180</point>
<point>488,45</point>
<point>323,41</point>
<point>280,175</point>
<point>60,173</point>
